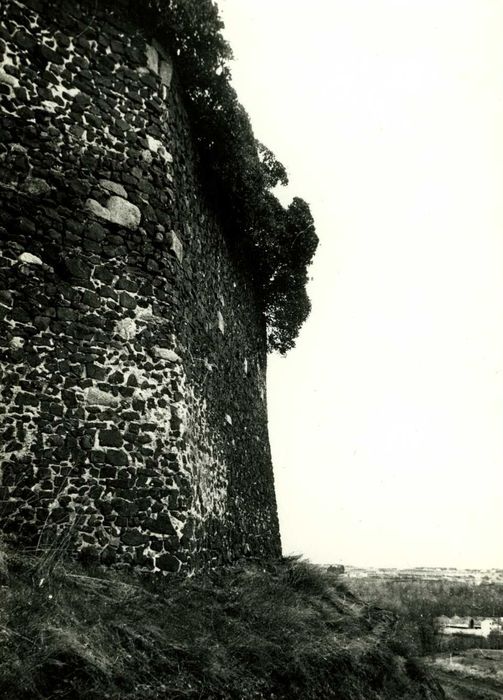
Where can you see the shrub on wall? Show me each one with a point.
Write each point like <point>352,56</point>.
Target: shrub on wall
<point>238,172</point>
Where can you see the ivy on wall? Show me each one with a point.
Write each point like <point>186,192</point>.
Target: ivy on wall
<point>238,171</point>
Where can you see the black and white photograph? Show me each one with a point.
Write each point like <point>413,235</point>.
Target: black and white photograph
<point>251,349</point>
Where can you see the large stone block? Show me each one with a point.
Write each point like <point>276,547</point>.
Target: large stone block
<point>166,354</point>
<point>175,245</point>
<point>117,210</point>
<point>152,58</point>
<point>123,212</point>
<point>30,259</point>
<point>97,397</point>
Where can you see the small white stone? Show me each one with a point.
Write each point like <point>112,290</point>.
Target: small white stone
<point>114,187</point>
<point>7,79</point>
<point>175,245</point>
<point>95,208</point>
<point>16,343</point>
<point>96,397</point>
<point>228,419</point>
<point>221,322</point>
<point>126,328</point>
<point>29,259</point>
<point>166,354</point>
<point>123,212</point>
<point>17,148</point>
<point>154,144</point>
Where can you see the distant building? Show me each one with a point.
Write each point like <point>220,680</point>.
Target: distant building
<point>336,569</point>
<point>469,626</point>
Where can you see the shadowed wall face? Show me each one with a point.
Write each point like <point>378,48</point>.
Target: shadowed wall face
<point>133,420</point>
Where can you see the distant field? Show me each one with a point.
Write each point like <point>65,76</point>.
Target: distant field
<point>474,674</point>
<point>468,576</point>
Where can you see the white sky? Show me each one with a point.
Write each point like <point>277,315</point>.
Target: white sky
<point>386,421</point>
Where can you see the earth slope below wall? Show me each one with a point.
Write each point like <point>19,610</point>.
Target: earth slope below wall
<point>133,418</point>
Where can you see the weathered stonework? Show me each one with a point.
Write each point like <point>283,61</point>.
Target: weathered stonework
<point>126,418</point>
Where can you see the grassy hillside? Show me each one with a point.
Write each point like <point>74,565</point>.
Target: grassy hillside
<point>286,631</point>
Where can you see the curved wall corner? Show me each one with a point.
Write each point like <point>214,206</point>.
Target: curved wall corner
<point>133,422</point>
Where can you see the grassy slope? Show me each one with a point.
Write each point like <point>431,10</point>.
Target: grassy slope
<point>288,631</point>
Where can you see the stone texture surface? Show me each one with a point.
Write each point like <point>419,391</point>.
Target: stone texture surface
<point>116,379</point>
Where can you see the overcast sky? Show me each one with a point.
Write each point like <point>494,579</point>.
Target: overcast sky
<point>386,421</point>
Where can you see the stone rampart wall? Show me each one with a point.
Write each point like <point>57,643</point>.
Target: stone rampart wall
<point>133,422</point>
